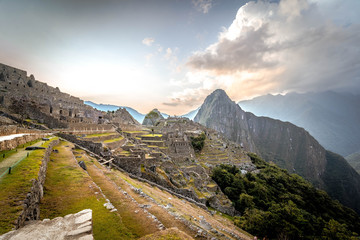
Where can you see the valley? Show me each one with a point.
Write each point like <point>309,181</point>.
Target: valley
<point>155,180</point>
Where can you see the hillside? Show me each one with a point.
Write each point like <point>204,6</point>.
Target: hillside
<point>354,161</point>
<point>154,182</point>
<point>331,117</point>
<point>280,205</point>
<point>283,143</point>
<point>107,107</point>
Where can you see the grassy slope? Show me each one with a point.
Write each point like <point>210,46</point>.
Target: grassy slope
<point>68,189</point>
<point>15,186</point>
<point>137,223</point>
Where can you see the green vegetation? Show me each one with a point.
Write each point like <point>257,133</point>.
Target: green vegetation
<point>198,142</point>
<point>8,153</point>
<point>68,189</point>
<point>280,205</point>
<point>153,116</point>
<point>99,135</point>
<point>16,185</point>
<point>152,135</point>
<point>113,140</point>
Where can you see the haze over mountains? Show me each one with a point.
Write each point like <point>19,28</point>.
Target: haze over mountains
<point>332,118</point>
<point>283,143</point>
<point>134,113</point>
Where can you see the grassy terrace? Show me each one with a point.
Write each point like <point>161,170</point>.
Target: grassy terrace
<point>8,153</point>
<point>69,189</point>
<point>100,134</point>
<point>152,135</point>
<point>16,185</point>
<point>136,222</point>
<point>135,131</point>
<point>114,140</point>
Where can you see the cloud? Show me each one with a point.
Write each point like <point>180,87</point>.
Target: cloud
<point>148,41</point>
<point>293,45</point>
<point>202,5</point>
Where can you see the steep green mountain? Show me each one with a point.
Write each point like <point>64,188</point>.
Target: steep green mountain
<point>332,118</point>
<point>280,205</point>
<point>285,144</point>
<point>152,118</point>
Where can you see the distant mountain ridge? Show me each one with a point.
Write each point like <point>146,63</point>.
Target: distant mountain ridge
<point>332,118</point>
<point>134,113</point>
<point>107,107</point>
<point>285,144</point>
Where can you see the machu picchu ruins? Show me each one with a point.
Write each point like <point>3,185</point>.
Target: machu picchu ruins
<point>152,166</point>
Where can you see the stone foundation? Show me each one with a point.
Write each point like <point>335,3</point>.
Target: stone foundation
<point>31,209</point>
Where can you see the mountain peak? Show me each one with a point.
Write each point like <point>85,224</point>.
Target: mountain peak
<point>219,93</point>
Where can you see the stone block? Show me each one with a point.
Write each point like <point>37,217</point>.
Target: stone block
<point>83,218</point>
<point>79,231</point>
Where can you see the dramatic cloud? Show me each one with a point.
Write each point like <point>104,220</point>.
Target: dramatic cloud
<point>202,5</point>
<point>148,41</point>
<point>293,45</point>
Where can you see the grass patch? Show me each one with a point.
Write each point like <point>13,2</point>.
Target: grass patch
<point>8,153</point>
<point>99,135</point>
<point>114,140</point>
<point>16,185</point>
<point>152,135</point>
<point>68,189</point>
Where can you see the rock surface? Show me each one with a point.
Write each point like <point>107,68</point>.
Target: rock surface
<point>287,145</point>
<point>72,226</point>
<point>152,118</point>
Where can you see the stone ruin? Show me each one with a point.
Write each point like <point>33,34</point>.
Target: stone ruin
<point>37,100</point>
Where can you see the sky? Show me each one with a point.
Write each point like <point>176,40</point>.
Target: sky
<point>170,54</point>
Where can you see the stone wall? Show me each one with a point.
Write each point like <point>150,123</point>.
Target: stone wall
<point>13,129</point>
<point>16,85</point>
<point>91,146</point>
<point>13,143</point>
<point>31,209</point>
<point>83,128</point>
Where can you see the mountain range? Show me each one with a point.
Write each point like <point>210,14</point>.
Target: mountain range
<point>107,107</point>
<point>135,114</point>
<point>332,118</point>
<point>284,144</point>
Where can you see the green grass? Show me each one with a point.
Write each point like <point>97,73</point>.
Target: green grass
<point>67,191</point>
<point>12,151</point>
<point>99,135</point>
<point>152,135</point>
<point>113,140</point>
<point>16,185</point>
<point>135,131</point>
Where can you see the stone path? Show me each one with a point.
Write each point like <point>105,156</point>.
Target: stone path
<point>73,226</point>
<point>12,159</point>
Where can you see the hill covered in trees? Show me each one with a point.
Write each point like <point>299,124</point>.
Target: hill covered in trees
<point>280,205</point>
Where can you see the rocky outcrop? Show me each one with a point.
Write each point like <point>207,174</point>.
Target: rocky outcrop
<point>152,118</point>
<point>72,226</point>
<point>31,209</point>
<point>280,142</point>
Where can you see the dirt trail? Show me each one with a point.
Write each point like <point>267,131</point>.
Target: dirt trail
<point>12,159</point>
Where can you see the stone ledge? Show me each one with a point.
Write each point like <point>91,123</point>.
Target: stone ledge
<point>62,228</point>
